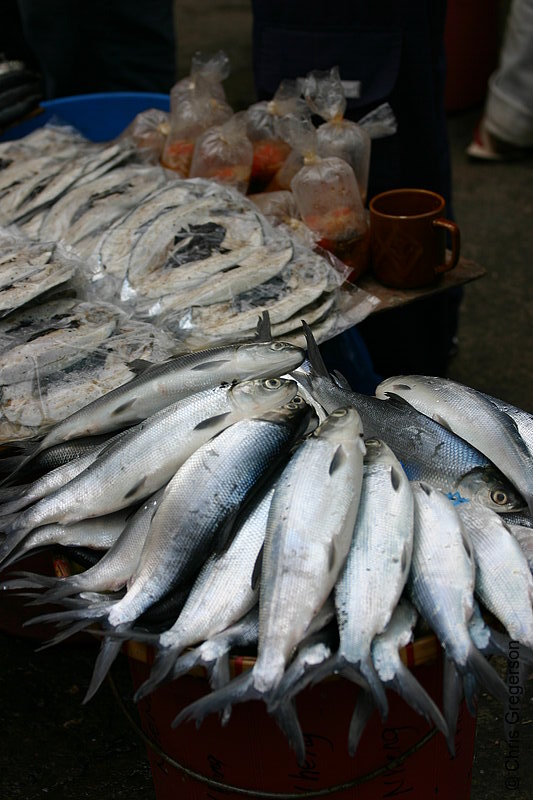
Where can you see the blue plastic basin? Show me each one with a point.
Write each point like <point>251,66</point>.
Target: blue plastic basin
<point>98,116</point>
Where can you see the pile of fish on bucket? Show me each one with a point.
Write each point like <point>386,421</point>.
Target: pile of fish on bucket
<point>262,503</point>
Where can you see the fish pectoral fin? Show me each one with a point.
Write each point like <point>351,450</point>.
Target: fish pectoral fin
<point>339,458</point>
<point>123,407</point>
<point>212,422</point>
<point>136,488</point>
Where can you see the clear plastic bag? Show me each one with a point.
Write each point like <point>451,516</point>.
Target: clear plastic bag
<point>281,211</point>
<point>197,102</point>
<point>270,150</point>
<point>337,136</point>
<point>58,356</point>
<point>149,131</point>
<point>343,138</point>
<point>224,153</point>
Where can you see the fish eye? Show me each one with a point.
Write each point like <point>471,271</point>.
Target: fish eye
<point>339,412</point>
<point>277,346</point>
<point>272,383</point>
<point>372,442</point>
<point>499,497</point>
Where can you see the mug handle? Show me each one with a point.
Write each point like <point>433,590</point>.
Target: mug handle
<point>455,234</point>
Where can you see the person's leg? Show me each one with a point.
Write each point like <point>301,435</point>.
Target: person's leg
<point>509,107</point>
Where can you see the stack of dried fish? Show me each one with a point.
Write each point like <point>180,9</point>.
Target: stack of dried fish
<point>40,169</point>
<point>195,256</point>
<point>58,355</point>
<point>250,525</point>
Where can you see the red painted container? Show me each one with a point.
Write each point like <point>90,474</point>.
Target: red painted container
<point>471,40</point>
<point>250,757</point>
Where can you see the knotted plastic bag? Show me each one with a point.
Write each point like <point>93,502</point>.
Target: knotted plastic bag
<point>197,102</point>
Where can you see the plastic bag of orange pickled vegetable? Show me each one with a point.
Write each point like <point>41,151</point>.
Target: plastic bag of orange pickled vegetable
<point>224,153</point>
<point>328,199</point>
<point>340,137</point>
<point>281,211</point>
<point>197,102</point>
<point>270,150</point>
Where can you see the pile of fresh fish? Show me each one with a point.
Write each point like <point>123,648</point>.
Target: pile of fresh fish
<point>262,503</point>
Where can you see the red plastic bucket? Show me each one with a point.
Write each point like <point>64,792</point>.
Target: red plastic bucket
<point>250,756</point>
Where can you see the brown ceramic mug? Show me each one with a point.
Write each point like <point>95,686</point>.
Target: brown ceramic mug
<point>408,238</point>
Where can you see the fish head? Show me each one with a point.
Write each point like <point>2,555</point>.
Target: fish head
<point>254,397</point>
<point>486,485</point>
<point>342,425</point>
<point>296,412</point>
<point>268,359</point>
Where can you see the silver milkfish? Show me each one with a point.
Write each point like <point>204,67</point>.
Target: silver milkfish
<point>374,575</point>
<point>196,510</point>
<point>112,571</point>
<point>200,505</point>
<point>99,533</point>
<point>522,419</point>
<point>395,675</point>
<point>309,531</point>
<point>147,456</point>
<point>441,586</point>
<point>159,385</point>
<point>427,451</point>
<point>474,418</point>
<point>503,578</point>
<point>213,653</point>
<point>221,595</point>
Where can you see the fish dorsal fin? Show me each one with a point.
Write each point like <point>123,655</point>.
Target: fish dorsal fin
<point>341,381</point>
<point>263,332</point>
<point>139,365</point>
<point>258,566</point>
<point>313,353</point>
<point>397,400</point>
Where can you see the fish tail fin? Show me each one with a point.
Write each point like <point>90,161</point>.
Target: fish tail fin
<point>28,580</point>
<point>406,685</point>
<point>486,675</point>
<point>287,720</point>
<point>109,650</point>
<point>161,668</point>
<point>14,504</point>
<point>362,712</point>
<point>183,664</point>
<point>31,451</point>
<point>220,672</point>
<point>452,694</point>
<point>88,613</point>
<point>14,535</point>
<point>239,690</point>
<point>366,669</point>
<point>69,631</point>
